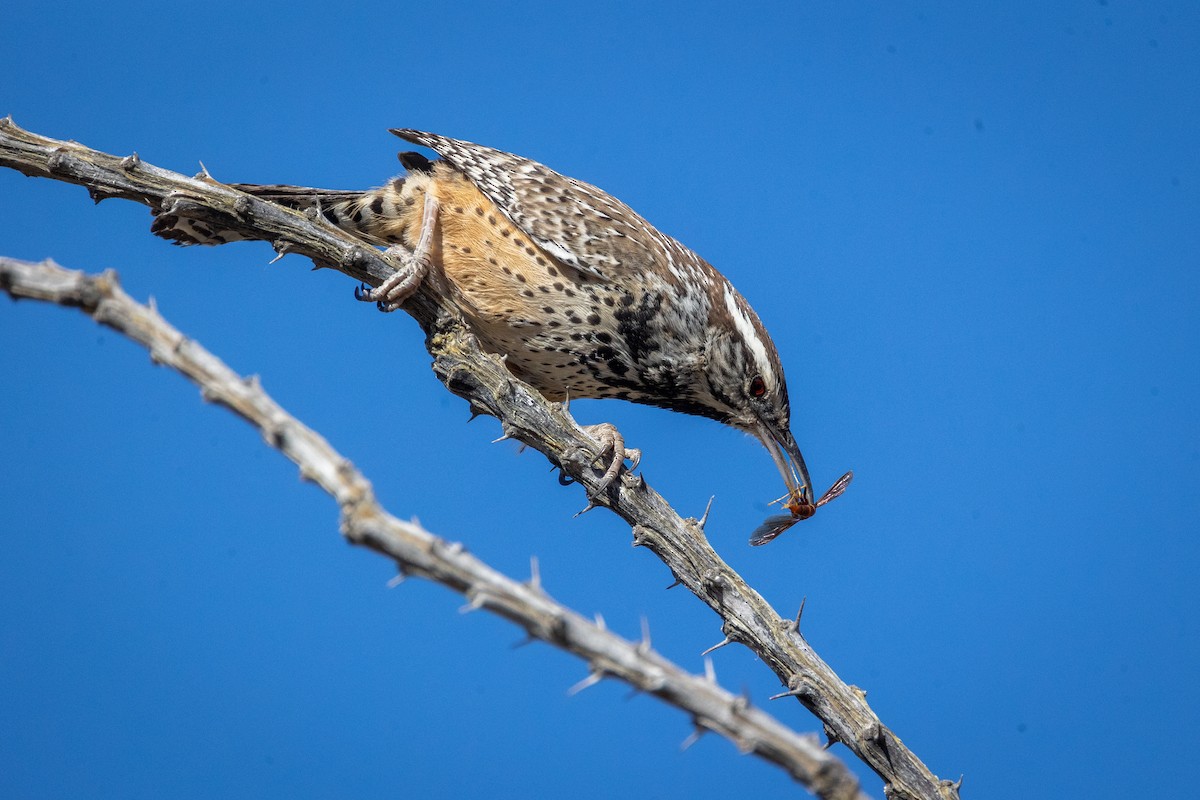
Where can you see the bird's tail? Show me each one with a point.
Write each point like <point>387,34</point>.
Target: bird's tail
<point>377,215</point>
<point>364,214</point>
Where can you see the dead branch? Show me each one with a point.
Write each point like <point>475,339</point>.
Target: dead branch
<point>419,553</point>
<point>483,381</point>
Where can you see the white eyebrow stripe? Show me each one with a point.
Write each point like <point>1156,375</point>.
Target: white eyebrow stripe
<point>749,335</point>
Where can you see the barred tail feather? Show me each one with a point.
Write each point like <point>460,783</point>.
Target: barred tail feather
<point>364,214</point>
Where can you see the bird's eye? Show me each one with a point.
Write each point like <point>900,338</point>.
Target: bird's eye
<point>758,387</point>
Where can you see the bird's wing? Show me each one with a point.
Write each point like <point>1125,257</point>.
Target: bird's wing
<point>576,223</point>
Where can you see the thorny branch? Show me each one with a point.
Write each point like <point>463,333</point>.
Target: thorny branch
<point>483,381</point>
<point>420,553</point>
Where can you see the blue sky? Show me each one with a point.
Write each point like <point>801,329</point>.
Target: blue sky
<point>971,229</point>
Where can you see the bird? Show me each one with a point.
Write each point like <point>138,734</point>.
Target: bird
<point>580,294</point>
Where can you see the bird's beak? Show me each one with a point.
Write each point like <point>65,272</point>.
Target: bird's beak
<point>782,446</point>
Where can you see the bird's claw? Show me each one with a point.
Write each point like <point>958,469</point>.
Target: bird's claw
<point>612,447</point>
<point>402,283</point>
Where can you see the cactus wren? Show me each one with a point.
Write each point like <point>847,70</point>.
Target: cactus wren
<point>582,296</point>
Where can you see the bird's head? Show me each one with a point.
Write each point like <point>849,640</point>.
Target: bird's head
<point>747,388</point>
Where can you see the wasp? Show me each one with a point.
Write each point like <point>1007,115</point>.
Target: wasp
<point>801,506</point>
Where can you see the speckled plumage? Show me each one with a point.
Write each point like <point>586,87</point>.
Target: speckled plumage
<point>582,295</point>
<point>605,302</point>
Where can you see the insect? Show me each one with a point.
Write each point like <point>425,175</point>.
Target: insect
<point>801,507</point>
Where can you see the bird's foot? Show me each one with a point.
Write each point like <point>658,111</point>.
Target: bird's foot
<point>392,293</point>
<point>414,264</point>
<point>612,448</point>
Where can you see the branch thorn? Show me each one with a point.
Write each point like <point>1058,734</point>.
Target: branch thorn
<point>475,601</point>
<point>644,645</point>
<point>796,688</point>
<point>594,677</point>
<point>831,737</point>
<point>700,523</point>
<point>535,575</point>
<point>800,613</point>
<point>693,737</point>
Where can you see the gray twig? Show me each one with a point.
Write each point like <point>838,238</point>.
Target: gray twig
<point>418,552</point>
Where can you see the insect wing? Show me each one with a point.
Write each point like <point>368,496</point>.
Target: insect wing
<point>771,527</point>
<point>835,491</point>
